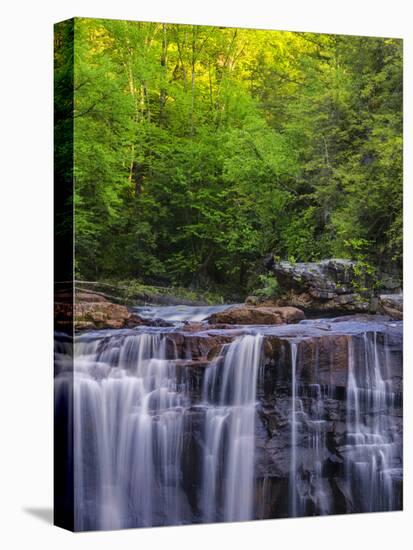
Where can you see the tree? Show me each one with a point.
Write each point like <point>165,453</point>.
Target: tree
<point>198,150</point>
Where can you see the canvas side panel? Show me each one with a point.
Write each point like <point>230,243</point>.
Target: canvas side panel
<point>63,274</point>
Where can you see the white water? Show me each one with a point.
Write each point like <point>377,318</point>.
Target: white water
<point>129,427</point>
<point>180,313</point>
<point>128,431</point>
<point>317,430</point>
<point>230,397</point>
<point>293,470</point>
<point>371,446</point>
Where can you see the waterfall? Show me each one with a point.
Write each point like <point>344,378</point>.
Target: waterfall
<point>317,430</point>
<point>293,471</point>
<point>128,430</point>
<point>371,446</point>
<point>370,450</point>
<point>228,463</point>
<point>307,487</point>
<point>283,422</point>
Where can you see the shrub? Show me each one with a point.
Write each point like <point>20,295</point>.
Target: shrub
<point>269,287</point>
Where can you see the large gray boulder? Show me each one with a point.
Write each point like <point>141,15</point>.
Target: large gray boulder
<point>325,286</point>
<point>334,286</point>
<point>391,304</point>
<point>323,280</point>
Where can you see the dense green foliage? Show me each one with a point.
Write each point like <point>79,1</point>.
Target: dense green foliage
<point>268,287</point>
<point>199,150</point>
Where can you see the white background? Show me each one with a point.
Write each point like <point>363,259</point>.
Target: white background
<point>26,273</point>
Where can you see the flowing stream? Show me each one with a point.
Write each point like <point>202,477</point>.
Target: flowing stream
<point>165,435</point>
<point>228,462</point>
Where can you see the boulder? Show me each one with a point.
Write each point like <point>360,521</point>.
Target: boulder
<point>324,286</point>
<point>89,296</point>
<point>104,314</point>
<point>90,311</point>
<point>252,315</point>
<point>333,286</point>
<point>93,310</point>
<point>391,305</point>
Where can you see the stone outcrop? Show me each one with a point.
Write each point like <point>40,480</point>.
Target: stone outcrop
<point>321,286</point>
<point>257,315</point>
<point>391,305</point>
<point>327,286</point>
<point>104,315</point>
<point>322,351</point>
<point>92,310</point>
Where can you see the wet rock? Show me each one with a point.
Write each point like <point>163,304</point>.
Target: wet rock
<point>104,314</point>
<point>191,374</point>
<point>92,310</point>
<point>192,327</point>
<point>321,360</point>
<point>361,318</point>
<point>251,315</point>
<point>322,378</point>
<point>195,346</point>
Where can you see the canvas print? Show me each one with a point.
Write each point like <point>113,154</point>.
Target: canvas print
<point>228,274</point>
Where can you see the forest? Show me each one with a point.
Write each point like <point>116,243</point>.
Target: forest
<point>200,150</point>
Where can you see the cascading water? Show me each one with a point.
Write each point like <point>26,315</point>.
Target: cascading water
<point>317,431</point>
<point>129,427</point>
<point>230,397</point>
<point>309,487</point>
<point>179,313</point>
<point>293,471</point>
<point>371,446</point>
<point>129,418</point>
<point>282,421</point>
